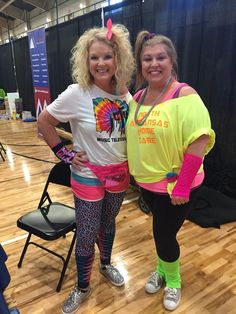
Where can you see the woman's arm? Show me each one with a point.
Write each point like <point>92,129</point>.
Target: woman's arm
<point>187,90</point>
<point>47,128</point>
<point>198,147</point>
<point>191,162</point>
<point>190,166</point>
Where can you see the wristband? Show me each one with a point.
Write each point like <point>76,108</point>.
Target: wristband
<point>63,153</point>
<point>188,171</point>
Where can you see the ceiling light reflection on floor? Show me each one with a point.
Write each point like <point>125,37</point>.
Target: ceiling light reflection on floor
<point>10,156</point>
<point>26,172</point>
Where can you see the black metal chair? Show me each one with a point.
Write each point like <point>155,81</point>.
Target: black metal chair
<point>51,220</point>
<point>142,204</point>
<point>2,149</point>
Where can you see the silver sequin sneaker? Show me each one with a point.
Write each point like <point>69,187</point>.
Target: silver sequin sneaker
<point>154,283</point>
<point>172,298</point>
<point>76,297</point>
<point>112,274</point>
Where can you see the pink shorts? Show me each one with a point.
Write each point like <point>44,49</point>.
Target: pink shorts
<point>91,189</point>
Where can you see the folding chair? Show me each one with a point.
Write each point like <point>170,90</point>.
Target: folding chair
<point>2,149</point>
<point>142,204</point>
<point>51,220</point>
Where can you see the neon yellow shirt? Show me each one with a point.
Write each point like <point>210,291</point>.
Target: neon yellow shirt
<point>157,147</point>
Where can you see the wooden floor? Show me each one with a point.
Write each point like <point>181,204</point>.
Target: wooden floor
<point>207,255</point>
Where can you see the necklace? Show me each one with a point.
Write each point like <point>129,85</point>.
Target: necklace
<point>141,121</point>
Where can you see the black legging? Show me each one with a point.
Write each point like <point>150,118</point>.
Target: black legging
<point>167,221</point>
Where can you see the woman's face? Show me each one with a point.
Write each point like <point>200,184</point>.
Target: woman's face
<point>156,64</point>
<point>102,64</point>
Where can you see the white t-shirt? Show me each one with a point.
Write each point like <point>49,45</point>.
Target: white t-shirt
<point>97,120</point>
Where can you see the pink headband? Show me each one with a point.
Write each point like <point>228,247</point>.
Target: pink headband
<point>109,27</point>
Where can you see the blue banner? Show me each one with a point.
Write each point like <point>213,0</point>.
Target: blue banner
<point>39,65</point>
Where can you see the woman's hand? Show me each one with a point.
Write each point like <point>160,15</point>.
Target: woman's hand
<point>78,160</point>
<point>177,200</point>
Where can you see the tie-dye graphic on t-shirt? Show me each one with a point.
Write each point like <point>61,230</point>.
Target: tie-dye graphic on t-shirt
<point>110,114</point>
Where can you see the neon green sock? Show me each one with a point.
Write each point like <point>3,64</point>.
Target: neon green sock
<point>159,269</point>
<point>172,273</point>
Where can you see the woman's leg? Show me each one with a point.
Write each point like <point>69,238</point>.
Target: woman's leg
<point>110,209</point>
<point>111,206</point>
<point>167,221</point>
<point>88,219</point>
<point>160,268</point>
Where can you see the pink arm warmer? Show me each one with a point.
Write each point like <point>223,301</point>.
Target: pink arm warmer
<point>188,171</point>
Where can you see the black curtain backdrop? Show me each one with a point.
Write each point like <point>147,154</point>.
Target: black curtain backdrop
<point>24,73</point>
<point>89,20</point>
<point>60,39</point>
<point>7,76</point>
<point>129,14</point>
<point>203,32</point>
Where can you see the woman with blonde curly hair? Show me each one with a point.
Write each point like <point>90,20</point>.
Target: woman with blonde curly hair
<point>96,108</point>
<point>122,54</point>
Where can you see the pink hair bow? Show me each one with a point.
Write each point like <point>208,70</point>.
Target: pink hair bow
<point>109,27</point>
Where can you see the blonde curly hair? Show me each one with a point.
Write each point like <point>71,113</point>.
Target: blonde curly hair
<point>122,50</point>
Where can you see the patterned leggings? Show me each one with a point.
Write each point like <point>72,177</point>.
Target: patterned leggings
<point>95,223</point>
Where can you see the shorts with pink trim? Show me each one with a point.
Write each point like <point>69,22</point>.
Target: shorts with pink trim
<point>91,189</point>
